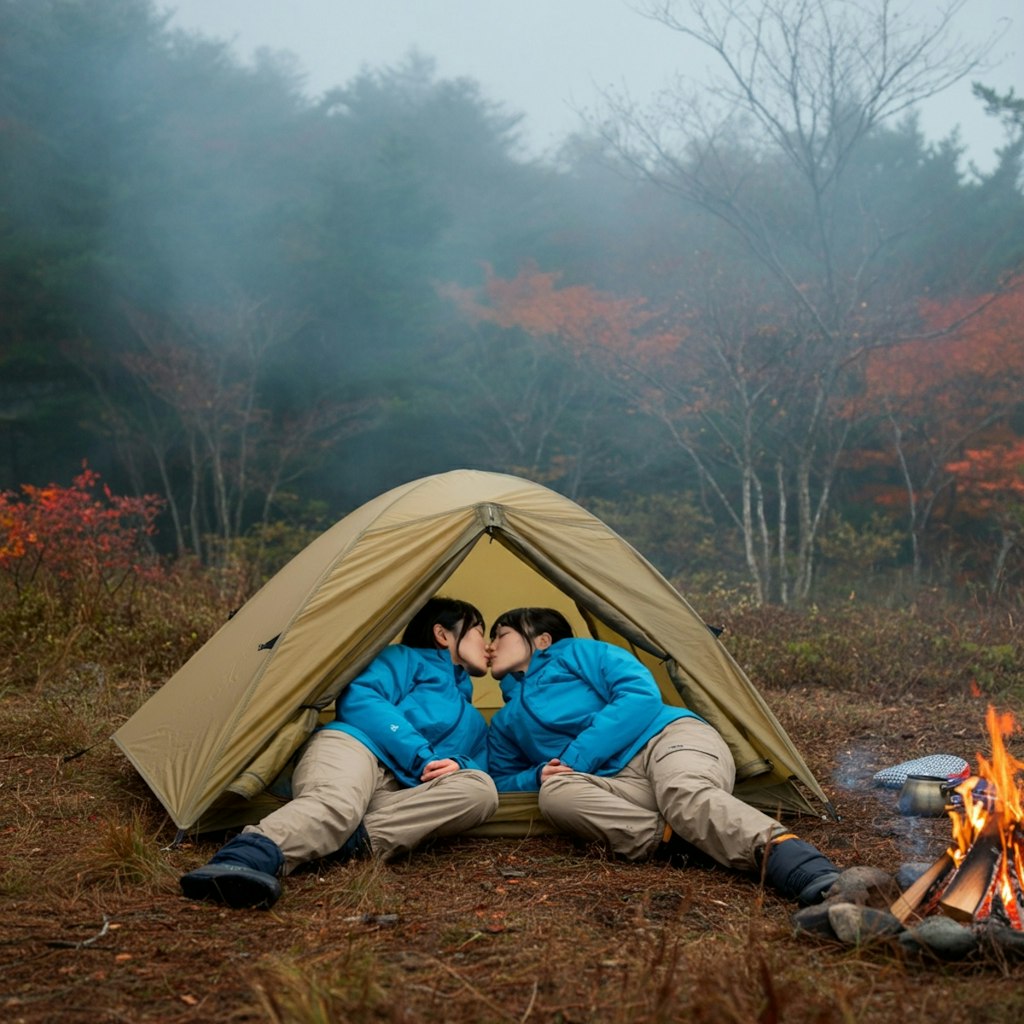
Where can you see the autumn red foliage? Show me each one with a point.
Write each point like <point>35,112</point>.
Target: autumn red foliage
<point>991,476</point>
<point>581,317</point>
<point>945,400</point>
<point>83,534</point>
<point>967,364</point>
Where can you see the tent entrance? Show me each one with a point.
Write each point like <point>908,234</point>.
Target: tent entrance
<point>495,580</point>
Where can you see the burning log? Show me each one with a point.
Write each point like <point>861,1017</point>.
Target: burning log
<point>976,876</point>
<point>920,893</point>
<point>981,877</point>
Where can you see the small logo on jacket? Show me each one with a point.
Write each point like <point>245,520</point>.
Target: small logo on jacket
<point>394,728</point>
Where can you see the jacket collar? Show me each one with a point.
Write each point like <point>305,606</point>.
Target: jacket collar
<point>443,660</point>
<point>537,661</point>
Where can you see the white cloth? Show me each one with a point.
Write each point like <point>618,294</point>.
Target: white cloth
<point>939,766</point>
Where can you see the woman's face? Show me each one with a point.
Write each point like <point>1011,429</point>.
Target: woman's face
<point>510,652</point>
<point>470,652</point>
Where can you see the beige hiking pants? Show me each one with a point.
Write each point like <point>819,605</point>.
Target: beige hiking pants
<point>683,776</point>
<point>339,783</point>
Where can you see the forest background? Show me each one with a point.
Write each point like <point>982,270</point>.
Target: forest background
<point>766,331</point>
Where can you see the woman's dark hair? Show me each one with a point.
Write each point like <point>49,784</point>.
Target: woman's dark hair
<point>529,623</point>
<point>454,615</point>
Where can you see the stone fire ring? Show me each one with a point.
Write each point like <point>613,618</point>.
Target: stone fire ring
<point>856,913</point>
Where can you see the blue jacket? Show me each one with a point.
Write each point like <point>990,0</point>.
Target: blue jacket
<point>411,706</point>
<point>590,704</point>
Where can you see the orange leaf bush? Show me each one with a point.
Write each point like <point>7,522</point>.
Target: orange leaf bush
<point>77,575</point>
<point>84,536</point>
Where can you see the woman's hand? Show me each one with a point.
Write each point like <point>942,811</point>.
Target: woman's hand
<point>552,768</point>
<point>435,769</point>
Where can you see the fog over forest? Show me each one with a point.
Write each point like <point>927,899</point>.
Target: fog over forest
<point>551,62</point>
<point>770,331</point>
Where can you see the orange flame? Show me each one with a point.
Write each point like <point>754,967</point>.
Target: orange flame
<point>995,790</point>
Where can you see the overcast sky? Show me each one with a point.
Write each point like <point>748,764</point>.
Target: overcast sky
<point>547,59</point>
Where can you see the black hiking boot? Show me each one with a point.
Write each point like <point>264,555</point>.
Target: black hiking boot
<point>242,873</point>
<point>797,870</point>
<point>357,846</point>
<point>681,854</point>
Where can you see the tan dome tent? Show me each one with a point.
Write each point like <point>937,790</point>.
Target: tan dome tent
<point>215,741</point>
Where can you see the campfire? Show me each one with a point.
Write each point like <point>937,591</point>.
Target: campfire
<point>980,878</point>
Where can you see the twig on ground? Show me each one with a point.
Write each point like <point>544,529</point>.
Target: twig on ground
<point>529,1005</point>
<point>62,944</point>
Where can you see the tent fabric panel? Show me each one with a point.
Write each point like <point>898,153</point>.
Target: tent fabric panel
<point>721,692</point>
<point>451,493</point>
<point>262,771</point>
<point>382,579</point>
<point>781,798</point>
<point>212,682</point>
<point>236,696</point>
<point>195,710</point>
<point>591,561</point>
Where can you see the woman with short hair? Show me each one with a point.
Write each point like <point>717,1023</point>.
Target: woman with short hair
<point>585,724</point>
<point>405,760</point>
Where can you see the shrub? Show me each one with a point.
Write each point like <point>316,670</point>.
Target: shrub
<point>921,651</point>
<point>85,605</point>
<point>82,544</point>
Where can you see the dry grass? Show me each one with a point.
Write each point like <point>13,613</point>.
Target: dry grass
<point>93,928</point>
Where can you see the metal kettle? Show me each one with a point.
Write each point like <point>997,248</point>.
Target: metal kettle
<point>923,796</point>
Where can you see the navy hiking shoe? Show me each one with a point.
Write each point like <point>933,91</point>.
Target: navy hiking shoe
<point>797,870</point>
<point>242,873</point>
<point>357,846</point>
<point>680,853</point>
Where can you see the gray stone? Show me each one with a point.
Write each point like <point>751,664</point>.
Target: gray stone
<point>813,921</point>
<point>856,925</point>
<point>910,872</point>
<point>867,887</point>
<point>940,936</point>
<point>1003,940</point>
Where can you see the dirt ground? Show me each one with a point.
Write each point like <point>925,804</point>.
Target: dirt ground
<point>93,927</point>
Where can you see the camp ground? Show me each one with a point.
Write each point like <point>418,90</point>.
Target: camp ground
<point>215,743</point>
